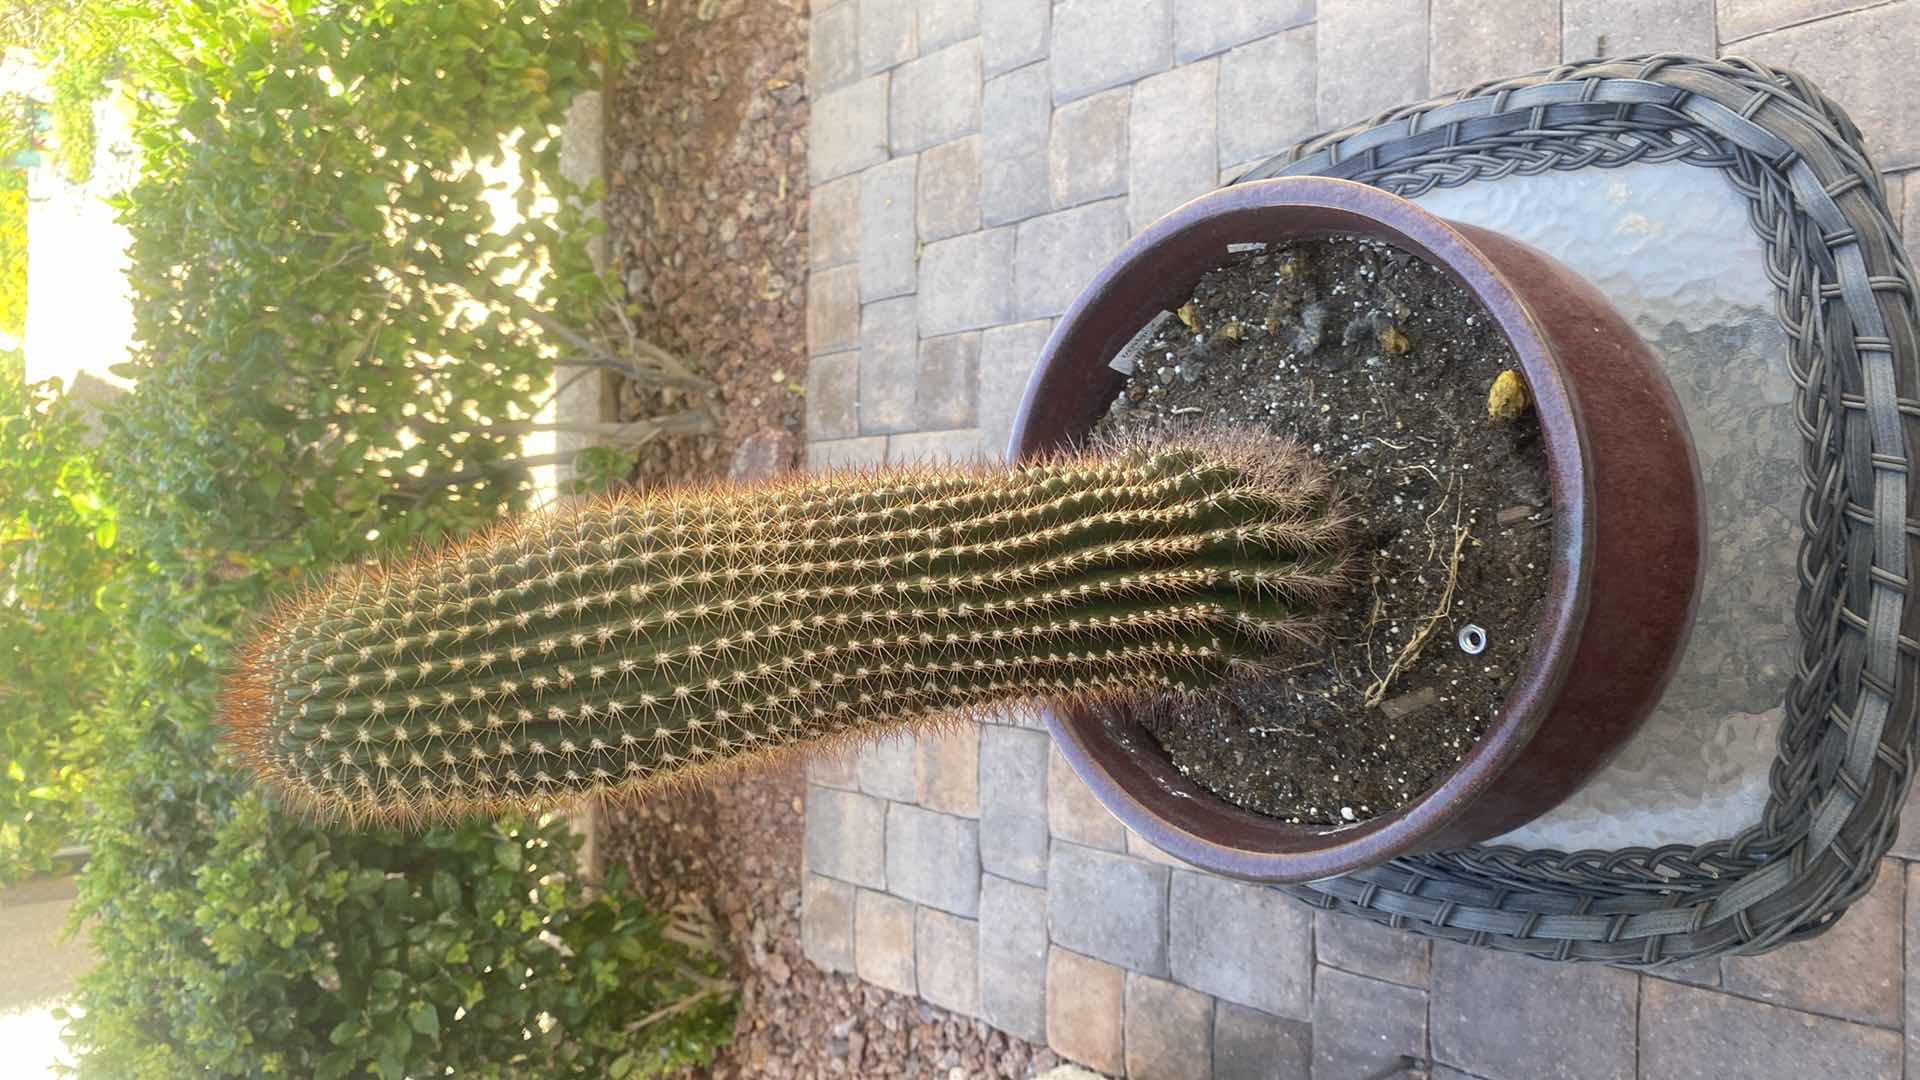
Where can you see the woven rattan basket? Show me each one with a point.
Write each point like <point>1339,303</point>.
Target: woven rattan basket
<point>1845,296</point>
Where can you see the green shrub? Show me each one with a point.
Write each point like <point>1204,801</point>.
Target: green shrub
<point>13,249</point>
<point>323,324</point>
<point>58,557</point>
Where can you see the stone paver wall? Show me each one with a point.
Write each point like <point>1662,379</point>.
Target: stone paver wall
<point>973,162</point>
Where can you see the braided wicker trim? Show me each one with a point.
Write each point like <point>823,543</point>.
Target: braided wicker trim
<point>1846,299</point>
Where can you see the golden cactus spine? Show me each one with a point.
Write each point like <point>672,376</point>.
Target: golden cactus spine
<point>649,639</point>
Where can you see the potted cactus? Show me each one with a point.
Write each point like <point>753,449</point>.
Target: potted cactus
<point>649,640</point>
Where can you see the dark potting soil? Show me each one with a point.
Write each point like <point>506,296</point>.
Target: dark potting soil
<point>1381,367</point>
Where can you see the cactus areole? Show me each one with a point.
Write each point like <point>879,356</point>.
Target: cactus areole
<point>645,640</point>
<point>1626,530</point>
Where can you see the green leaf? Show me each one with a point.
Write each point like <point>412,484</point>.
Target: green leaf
<point>388,979</point>
<point>621,1066</point>
<point>424,1018</point>
<point>106,532</point>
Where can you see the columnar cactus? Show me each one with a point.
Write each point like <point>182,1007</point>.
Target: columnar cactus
<point>648,639</point>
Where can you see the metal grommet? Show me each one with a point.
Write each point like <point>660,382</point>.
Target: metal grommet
<point>1473,640</point>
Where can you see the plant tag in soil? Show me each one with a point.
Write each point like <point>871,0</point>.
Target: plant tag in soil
<point>1257,245</point>
<point>1122,361</point>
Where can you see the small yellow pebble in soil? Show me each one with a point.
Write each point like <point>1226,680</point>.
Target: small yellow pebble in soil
<point>1508,398</point>
<point>1187,316</point>
<point>1393,342</point>
<point>1232,331</point>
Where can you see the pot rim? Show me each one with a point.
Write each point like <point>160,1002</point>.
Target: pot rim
<point>1261,211</point>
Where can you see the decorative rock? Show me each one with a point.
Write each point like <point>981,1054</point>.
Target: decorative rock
<point>764,454</point>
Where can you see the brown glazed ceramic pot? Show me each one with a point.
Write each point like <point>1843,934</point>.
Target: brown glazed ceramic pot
<point>1627,530</point>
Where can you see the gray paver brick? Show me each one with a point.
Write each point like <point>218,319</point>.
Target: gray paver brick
<point>835,769</point>
<point>883,940</point>
<point>1864,61</point>
<point>833,49</point>
<point>1204,27</point>
<point>1016,111</point>
<point>1141,849</point>
<point>1059,253</point>
<point>1087,149</point>
<point>858,453</point>
<point>949,380</point>
<point>948,202</point>
<point>1745,18</point>
<point>1013,33</point>
<point>1910,231</point>
<point>1477,40</point>
<point>946,960</point>
<point>1251,1045</point>
<point>847,129</point>
<point>1372,57</point>
<point>1852,971</point>
<point>1362,1027</point>
<point>934,447</point>
<point>1367,948</point>
<point>1074,814</point>
<point>1246,943</point>
<point>1013,803</point>
<point>1108,906</point>
<point>1007,358</point>
<point>1628,27</point>
<point>888,33</point>
<point>1086,999</point>
<point>1173,140</point>
<point>1169,1030</point>
<point>889,366</point>
<point>1578,1017</point>
<point>934,859</point>
<point>833,310</point>
<point>833,395</point>
<point>833,223</point>
<point>1266,95</point>
<point>826,922</point>
<point>846,835</point>
<point>887,241</point>
<point>1013,957</point>
<point>1688,1033</point>
<point>1912,962</point>
<point>966,282</point>
<point>946,772</point>
<point>885,767</point>
<point>935,98</point>
<point>1102,43</point>
<point>943,22</point>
